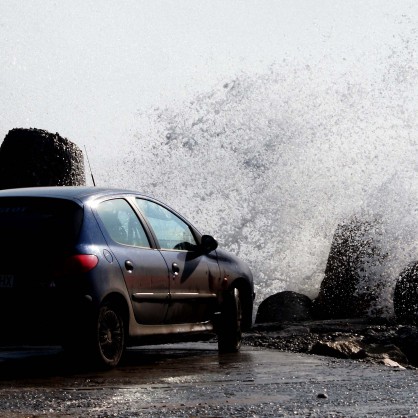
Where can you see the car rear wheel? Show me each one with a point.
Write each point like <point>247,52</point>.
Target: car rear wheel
<point>229,332</point>
<point>110,336</point>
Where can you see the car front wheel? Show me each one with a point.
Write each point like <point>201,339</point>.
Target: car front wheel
<point>229,332</point>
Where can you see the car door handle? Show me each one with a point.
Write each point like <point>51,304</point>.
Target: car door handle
<point>175,270</point>
<point>129,266</point>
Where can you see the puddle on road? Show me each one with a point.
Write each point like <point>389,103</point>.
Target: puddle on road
<point>190,379</point>
<point>174,364</point>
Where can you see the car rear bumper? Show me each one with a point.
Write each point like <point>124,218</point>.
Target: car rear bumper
<point>41,317</point>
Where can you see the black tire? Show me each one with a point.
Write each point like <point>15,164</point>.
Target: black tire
<point>405,299</point>
<point>229,331</point>
<point>109,338</point>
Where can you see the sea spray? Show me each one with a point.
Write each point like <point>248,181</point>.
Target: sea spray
<point>271,163</point>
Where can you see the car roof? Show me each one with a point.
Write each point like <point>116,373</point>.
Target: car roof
<point>81,193</point>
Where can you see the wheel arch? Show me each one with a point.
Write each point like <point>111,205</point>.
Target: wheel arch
<point>118,301</point>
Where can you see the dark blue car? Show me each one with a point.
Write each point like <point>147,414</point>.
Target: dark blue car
<point>100,269</point>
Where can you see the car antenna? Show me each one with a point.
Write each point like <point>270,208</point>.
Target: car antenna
<point>91,171</point>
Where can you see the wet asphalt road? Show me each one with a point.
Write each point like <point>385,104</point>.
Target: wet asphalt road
<point>192,380</point>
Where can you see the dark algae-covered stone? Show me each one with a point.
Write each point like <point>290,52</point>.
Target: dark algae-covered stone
<point>284,306</point>
<point>405,299</point>
<point>350,286</point>
<point>35,157</point>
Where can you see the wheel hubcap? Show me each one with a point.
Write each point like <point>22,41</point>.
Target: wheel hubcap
<point>110,335</point>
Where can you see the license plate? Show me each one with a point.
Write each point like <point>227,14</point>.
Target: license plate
<point>6,280</point>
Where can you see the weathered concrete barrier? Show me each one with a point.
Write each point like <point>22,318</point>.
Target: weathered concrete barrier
<point>352,284</point>
<point>283,307</point>
<point>34,157</point>
<point>405,298</point>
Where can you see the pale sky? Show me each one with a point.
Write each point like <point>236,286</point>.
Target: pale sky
<point>95,70</point>
<point>85,68</point>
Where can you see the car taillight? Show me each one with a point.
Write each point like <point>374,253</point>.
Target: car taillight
<point>79,263</point>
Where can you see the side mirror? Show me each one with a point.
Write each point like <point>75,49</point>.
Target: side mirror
<point>208,244</point>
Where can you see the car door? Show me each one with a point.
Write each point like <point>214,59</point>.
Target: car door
<point>194,276</point>
<point>143,267</point>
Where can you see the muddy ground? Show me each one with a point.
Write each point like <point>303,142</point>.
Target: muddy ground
<point>275,374</point>
<point>376,341</point>
<point>193,380</point>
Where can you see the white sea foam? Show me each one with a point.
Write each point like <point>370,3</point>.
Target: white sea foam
<point>271,163</point>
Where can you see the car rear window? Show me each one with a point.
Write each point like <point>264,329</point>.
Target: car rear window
<point>35,223</point>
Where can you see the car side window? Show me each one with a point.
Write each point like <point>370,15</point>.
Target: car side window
<point>121,223</point>
<point>172,233</point>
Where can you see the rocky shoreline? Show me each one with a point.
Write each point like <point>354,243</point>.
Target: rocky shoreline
<point>377,341</point>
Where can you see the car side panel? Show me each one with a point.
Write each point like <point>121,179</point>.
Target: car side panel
<point>194,286</point>
<point>145,273</point>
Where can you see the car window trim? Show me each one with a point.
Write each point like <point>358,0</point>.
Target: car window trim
<point>195,233</point>
<point>145,226</point>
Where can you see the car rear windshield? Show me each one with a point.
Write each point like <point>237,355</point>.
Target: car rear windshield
<point>44,224</point>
